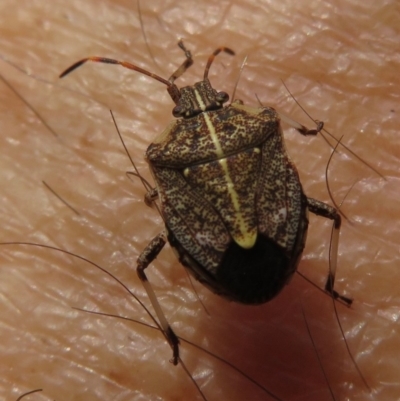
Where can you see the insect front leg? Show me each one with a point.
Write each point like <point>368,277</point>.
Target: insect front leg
<point>322,209</point>
<point>152,192</point>
<point>146,257</point>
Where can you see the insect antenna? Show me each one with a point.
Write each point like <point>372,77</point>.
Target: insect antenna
<point>184,66</point>
<point>106,60</point>
<point>212,57</point>
<point>172,88</point>
<point>43,81</point>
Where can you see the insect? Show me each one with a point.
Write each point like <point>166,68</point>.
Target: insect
<point>234,209</point>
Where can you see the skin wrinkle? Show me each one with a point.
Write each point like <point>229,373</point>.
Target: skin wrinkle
<point>77,356</point>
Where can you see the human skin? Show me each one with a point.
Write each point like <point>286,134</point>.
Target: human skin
<point>338,59</point>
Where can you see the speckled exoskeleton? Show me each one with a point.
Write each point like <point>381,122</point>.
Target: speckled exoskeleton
<point>234,209</point>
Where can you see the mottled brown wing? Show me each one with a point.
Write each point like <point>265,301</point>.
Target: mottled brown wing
<point>192,219</point>
<point>281,204</point>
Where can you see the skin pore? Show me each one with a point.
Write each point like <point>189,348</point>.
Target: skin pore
<point>338,59</point>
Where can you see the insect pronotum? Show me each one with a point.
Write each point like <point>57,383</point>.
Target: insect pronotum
<point>234,209</point>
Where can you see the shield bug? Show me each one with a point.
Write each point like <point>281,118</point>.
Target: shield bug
<point>234,209</point>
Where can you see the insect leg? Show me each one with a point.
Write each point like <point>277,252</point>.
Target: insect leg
<point>151,196</point>
<point>146,257</point>
<point>300,127</point>
<point>322,209</point>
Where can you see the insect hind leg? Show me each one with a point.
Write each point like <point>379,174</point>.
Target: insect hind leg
<point>146,257</point>
<point>322,209</point>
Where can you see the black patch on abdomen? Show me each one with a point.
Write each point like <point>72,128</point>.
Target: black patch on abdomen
<point>256,275</point>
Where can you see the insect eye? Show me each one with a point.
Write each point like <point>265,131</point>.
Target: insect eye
<point>177,111</point>
<point>222,97</point>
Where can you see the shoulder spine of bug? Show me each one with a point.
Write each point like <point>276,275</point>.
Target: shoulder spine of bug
<point>234,209</point>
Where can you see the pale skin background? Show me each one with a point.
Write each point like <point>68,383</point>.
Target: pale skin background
<point>339,59</point>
